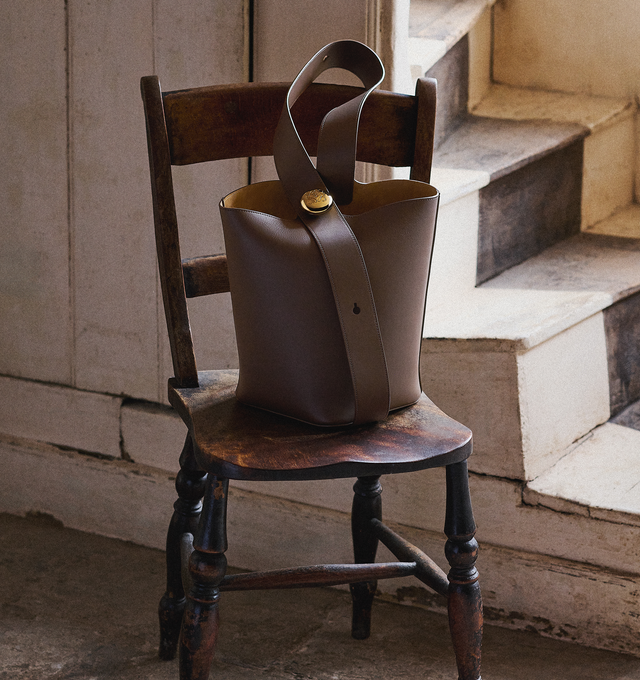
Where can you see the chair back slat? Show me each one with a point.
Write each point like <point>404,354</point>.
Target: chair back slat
<point>229,121</point>
<point>238,121</point>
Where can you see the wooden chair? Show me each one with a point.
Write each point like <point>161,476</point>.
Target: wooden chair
<point>229,441</point>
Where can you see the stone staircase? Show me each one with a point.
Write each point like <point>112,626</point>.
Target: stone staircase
<point>531,336</point>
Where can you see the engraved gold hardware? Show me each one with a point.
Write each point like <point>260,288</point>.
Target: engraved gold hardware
<point>316,201</point>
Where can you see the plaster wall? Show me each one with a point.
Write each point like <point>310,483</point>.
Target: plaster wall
<point>282,46</point>
<point>83,352</point>
<point>589,47</point>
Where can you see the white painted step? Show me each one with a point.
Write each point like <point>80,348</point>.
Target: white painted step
<point>597,478</point>
<point>607,188</point>
<point>436,25</point>
<point>548,293</point>
<point>608,182</point>
<point>533,339</point>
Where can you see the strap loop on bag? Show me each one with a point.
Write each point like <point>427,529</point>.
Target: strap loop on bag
<point>340,250</point>
<point>338,137</point>
<point>339,131</point>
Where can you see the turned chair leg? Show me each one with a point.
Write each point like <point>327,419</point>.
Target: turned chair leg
<point>367,505</point>
<point>465,601</point>
<point>190,484</point>
<point>207,567</point>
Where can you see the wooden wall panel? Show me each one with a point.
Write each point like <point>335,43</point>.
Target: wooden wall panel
<point>120,334</point>
<point>34,247</point>
<point>110,45</point>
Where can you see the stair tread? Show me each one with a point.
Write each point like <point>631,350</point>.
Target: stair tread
<point>542,296</point>
<point>630,417</point>
<point>514,126</point>
<point>516,103</point>
<point>599,478</point>
<point>444,20</point>
<point>623,224</point>
<point>583,263</point>
<point>499,146</point>
<point>456,182</point>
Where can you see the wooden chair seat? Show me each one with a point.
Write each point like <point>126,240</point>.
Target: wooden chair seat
<point>241,442</point>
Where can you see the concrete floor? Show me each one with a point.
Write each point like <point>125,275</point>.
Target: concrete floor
<point>79,606</point>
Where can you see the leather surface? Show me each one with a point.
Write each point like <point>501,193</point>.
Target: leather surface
<point>328,308</point>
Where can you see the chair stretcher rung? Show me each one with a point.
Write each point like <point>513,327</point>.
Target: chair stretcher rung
<point>320,575</point>
<point>427,570</point>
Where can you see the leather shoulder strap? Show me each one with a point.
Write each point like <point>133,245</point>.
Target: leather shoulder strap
<point>339,247</point>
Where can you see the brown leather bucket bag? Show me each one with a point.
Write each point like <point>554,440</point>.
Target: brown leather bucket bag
<point>329,276</point>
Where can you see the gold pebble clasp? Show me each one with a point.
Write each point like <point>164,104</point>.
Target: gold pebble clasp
<point>316,201</point>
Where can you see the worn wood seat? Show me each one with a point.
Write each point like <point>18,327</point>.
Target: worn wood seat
<point>227,440</point>
<point>241,442</point>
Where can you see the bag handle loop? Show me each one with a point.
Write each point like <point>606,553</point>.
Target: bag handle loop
<point>338,245</point>
<point>338,136</point>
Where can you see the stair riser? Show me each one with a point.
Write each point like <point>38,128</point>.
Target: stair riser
<point>455,251</point>
<point>524,407</point>
<point>608,182</point>
<point>622,325</point>
<point>528,210</point>
<point>452,74</point>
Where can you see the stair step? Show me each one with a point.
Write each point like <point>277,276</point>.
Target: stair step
<point>450,40</point>
<point>552,292</point>
<point>609,161</point>
<point>500,146</point>
<point>556,162</point>
<point>629,417</point>
<point>525,337</point>
<point>598,478</point>
<point>534,197</point>
<point>544,295</point>
<point>435,26</point>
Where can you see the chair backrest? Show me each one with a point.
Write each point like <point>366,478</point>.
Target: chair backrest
<point>236,121</point>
